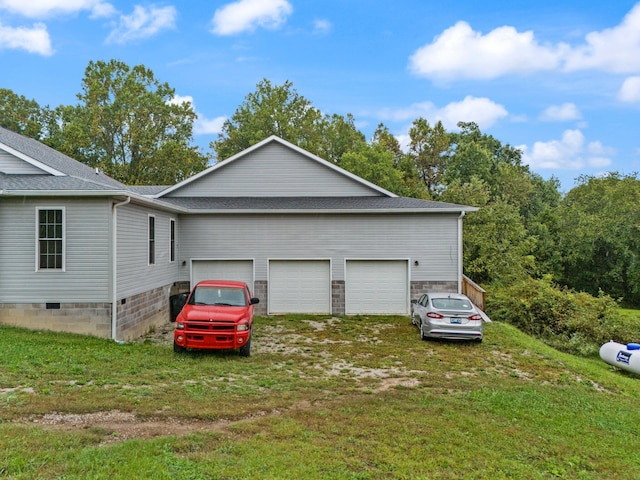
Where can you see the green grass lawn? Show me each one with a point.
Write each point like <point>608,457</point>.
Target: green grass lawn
<point>320,397</point>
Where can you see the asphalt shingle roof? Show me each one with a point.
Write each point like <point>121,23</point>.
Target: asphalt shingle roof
<point>50,183</point>
<point>56,160</point>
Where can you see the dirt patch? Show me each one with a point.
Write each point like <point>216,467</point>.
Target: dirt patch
<point>117,426</point>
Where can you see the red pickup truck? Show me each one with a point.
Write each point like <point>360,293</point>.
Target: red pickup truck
<point>217,314</point>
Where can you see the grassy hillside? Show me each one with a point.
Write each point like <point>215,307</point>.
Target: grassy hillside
<point>321,397</point>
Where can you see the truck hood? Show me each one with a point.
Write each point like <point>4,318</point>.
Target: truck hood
<point>206,313</point>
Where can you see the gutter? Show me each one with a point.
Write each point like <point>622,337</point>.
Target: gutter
<point>114,268</point>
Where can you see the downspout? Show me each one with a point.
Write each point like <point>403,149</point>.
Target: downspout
<point>114,269</point>
<point>460,252</point>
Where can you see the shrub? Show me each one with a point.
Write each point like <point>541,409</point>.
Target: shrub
<point>574,322</point>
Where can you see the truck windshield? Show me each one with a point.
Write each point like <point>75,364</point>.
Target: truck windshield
<point>225,296</point>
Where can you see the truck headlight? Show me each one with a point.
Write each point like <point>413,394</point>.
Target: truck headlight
<point>180,326</point>
<point>243,327</point>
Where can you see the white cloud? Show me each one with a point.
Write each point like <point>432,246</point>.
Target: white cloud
<point>614,49</point>
<point>47,8</point>
<point>143,23</point>
<point>482,111</point>
<point>247,15</point>
<point>321,27</point>
<point>33,40</point>
<point>208,126</point>
<point>461,52</point>
<point>561,113</point>
<point>571,152</point>
<point>630,90</point>
<point>202,125</point>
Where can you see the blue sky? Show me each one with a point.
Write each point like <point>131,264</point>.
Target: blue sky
<point>559,79</point>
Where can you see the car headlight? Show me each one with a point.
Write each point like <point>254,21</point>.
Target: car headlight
<point>180,326</point>
<point>243,327</point>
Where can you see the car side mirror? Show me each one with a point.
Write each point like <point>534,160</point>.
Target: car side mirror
<point>254,300</point>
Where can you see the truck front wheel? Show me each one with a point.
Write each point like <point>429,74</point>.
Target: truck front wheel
<point>177,348</point>
<point>245,350</point>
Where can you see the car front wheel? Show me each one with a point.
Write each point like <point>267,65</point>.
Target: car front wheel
<point>177,348</point>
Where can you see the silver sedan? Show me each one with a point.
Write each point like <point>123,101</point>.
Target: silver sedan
<point>446,315</point>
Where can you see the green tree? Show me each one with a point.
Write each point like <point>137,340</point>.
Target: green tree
<point>497,247</point>
<point>376,165</point>
<point>126,123</point>
<point>428,148</point>
<point>475,155</point>
<point>270,110</point>
<point>339,135</point>
<point>600,236</point>
<point>21,115</point>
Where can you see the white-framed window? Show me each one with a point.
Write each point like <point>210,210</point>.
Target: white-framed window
<point>152,240</point>
<point>172,240</point>
<point>50,238</point>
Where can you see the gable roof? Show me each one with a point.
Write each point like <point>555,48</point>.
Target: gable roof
<point>376,190</point>
<point>62,175</point>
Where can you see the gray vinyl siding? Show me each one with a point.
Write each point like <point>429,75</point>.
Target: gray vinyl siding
<point>431,239</point>
<point>134,273</point>
<point>87,274</point>
<point>274,170</point>
<point>12,165</point>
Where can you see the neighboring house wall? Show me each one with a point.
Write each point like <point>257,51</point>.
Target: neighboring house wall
<point>274,170</point>
<point>79,296</point>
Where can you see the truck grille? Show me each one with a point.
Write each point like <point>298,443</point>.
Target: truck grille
<point>210,327</point>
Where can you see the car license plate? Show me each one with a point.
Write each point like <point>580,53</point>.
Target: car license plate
<point>456,320</point>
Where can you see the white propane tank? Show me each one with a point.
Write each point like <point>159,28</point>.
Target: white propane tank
<point>626,357</point>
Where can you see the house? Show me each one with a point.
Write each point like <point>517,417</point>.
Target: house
<point>81,252</point>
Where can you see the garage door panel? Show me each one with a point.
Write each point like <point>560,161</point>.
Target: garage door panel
<point>299,286</point>
<point>376,287</point>
<point>240,270</point>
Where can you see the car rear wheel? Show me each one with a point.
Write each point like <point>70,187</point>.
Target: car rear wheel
<point>177,348</point>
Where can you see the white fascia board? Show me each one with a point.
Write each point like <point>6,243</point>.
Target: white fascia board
<point>274,138</point>
<point>31,161</point>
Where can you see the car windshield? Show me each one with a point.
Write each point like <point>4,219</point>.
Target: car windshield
<point>226,296</point>
<point>451,303</point>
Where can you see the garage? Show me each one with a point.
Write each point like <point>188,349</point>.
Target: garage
<point>241,270</point>
<point>299,286</point>
<point>376,287</point>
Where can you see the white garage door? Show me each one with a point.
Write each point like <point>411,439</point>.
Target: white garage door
<point>299,286</point>
<point>376,287</point>
<point>241,270</point>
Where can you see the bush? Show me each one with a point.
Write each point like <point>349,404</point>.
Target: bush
<point>574,322</point>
